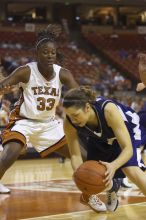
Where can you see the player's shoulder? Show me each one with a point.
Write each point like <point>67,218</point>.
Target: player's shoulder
<point>21,70</point>
<point>30,64</point>
<point>106,105</point>
<point>110,106</point>
<point>65,76</point>
<point>23,73</point>
<point>64,71</point>
<point>102,102</point>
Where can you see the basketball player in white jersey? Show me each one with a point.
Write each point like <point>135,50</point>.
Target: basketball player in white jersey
<point>33,118</point>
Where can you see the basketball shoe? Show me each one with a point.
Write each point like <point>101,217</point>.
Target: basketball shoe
<point>4,189</point>
<point>111,195</point>
<point>93,202</point>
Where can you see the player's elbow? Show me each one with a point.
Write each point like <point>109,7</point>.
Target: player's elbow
<point>130,152</point>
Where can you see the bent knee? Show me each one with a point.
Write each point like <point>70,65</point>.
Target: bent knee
<point>10,153</point>
<point>132,172</point>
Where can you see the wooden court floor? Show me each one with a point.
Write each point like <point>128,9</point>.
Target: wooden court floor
<point>43,189</point>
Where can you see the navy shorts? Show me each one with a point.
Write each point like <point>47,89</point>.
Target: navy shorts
<point>136,159</point>
<point>98,150</point>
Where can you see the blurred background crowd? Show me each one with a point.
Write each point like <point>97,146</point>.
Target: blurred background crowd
<point>99,44</point>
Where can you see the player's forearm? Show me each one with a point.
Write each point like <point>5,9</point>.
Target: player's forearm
<point>142,71</point>
<point>76,161</point>
<point>123,158</point>
<point>143,77</point>
<point>8,81</point>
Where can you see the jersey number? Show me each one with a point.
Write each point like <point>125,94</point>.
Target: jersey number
<point>45,104</point>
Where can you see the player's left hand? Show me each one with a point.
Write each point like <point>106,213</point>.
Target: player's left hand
<point>140,87</point>
<point>109,174</point>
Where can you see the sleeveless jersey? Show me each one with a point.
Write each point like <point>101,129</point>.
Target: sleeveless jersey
<point>105,134</point>
<point>39,97</point>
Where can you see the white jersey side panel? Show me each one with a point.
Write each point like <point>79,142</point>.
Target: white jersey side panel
<point>40,97</point>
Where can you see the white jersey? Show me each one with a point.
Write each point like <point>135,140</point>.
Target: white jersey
<point>39,97</point>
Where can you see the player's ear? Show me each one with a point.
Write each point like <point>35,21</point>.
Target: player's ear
<point>87,107</point>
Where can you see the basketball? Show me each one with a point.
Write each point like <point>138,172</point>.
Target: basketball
<point>89,177</point>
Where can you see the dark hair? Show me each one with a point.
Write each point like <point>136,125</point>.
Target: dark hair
<point>50,34</point>
<point>79,97</point>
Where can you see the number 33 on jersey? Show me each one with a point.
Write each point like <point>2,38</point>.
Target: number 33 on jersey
<point>39,97</point>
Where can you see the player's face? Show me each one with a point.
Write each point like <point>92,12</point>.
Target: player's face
<point>46,54</point>
<point>78,116</point>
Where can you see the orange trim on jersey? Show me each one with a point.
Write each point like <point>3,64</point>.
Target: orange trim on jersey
<point>54,147</point>
<point>9,135</point>
<point>14,114</point>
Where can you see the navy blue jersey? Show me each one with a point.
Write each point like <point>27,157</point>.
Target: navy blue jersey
<point>106,135</point>
<point>131,118</point>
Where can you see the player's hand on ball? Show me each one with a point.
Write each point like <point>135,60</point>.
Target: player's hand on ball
<point>110,172</point>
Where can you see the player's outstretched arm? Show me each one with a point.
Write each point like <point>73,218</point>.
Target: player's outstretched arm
<point>142,72</point>
<point>19,75</point>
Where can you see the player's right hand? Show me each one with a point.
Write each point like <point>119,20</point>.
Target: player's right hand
<point>110,172</point>
<point>6,89</point>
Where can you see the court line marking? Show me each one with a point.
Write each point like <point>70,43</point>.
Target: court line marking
<point>27,186</point>
<point>80,212</point>
<point>42,188</point>
<point>35,181</point>
<point>45,188</point>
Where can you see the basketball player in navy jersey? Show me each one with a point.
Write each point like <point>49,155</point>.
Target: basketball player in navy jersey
<point>116,128</point>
